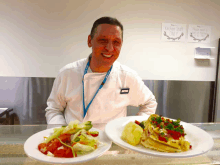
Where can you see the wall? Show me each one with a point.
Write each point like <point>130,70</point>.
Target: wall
<point>186,100</point>
<point>39,37</point>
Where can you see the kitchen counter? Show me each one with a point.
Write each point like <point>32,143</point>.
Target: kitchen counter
<point>13,137</point>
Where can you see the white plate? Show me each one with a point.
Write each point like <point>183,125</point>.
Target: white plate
<point>31,148</point>
<point>200,140</point>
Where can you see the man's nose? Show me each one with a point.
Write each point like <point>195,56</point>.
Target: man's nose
<point>109,46</point>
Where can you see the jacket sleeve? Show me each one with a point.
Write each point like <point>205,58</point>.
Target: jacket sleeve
<point>143,97</point>
<point>56,102</point>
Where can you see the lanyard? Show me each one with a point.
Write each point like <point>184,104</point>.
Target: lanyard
<point>100,87</point>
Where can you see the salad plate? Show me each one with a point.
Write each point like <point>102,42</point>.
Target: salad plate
<point>31,148</point>
<point>200,140</point>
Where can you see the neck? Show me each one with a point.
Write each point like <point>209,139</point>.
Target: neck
<point>100,69</point>
<point>96,68</point>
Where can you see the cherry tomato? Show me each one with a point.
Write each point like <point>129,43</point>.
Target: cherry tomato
<point>137,122</point>
<point>94,135</point>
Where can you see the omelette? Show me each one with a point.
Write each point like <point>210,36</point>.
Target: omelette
<point>159,133</point>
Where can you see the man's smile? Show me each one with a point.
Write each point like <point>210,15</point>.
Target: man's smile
<point>107,55</point>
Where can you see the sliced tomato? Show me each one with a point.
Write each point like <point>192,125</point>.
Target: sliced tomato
<point>66,138</point>
<point>162,139</point>
<point>57,142</point>
<point>69,153</point>
<point>66,152</point>
<point>59,153</point>
<point>53,145</point>
<point>42,147</point>
<point>175,135</point>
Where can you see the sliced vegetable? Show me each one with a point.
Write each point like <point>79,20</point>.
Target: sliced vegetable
<point>142,124</point>
<point>57,132</point>
<point>93,133</point>
<point>81,147</point>
<point>73,139</point>
<point>86,125</point>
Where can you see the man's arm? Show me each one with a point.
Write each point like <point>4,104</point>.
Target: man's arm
<point>56,103</point>
<point>148,108</point>
<point>144,97</point>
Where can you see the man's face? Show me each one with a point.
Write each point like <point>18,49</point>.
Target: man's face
<point>106,45</point>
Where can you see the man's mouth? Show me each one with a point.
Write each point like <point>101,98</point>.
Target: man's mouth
<point>107,55</point>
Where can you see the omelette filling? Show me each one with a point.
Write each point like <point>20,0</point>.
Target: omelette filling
<point>158,133</point>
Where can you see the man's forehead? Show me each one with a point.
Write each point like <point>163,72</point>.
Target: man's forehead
<point>108,29</point>
<point>109,26</point>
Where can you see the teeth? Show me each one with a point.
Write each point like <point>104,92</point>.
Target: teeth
<point>107,55</point>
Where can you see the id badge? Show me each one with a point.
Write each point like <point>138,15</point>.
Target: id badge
<point>124,91</point>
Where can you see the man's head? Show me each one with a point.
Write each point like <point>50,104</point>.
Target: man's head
<point>106,41</point>
<point>105,20</point>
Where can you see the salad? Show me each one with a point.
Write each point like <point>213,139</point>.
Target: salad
<point>70,141</point>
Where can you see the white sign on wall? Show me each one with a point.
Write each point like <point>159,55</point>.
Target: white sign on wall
<point>173,32</point>
<point>199,33</point>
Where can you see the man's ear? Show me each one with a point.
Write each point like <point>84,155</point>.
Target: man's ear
<point>89,41</point>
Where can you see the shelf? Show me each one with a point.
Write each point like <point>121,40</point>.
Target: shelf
<point>203,58</point>
<point>205,47</point>
<point>203,53</point>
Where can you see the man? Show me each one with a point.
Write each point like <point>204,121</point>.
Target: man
<point>98,88</point>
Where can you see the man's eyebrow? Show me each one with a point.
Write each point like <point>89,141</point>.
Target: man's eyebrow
<point>102,36</point>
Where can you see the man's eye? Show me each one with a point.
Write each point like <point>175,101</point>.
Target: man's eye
<point>103,40</point>
<point>116,42</point>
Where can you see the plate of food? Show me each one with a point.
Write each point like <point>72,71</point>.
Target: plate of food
<point>74,143</point>
<point>159,136</point>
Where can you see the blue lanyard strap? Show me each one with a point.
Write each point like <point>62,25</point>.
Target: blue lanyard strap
<point>100,87</point>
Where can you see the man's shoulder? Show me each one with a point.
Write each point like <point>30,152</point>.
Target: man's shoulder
<point>124,69</point>
<point>75,66</point>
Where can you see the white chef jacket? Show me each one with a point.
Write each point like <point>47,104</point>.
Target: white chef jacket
<point>65,101</point>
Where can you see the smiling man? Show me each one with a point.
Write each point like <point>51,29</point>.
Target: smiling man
<point>106,46</point>
<point>98,88</point>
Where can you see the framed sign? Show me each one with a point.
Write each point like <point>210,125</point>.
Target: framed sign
<point>173,32</point>
<point>199,33</point>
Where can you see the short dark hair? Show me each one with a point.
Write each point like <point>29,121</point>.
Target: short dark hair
<point>105,20</point>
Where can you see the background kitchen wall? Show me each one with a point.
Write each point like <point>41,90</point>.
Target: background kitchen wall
<point>40,37</point>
